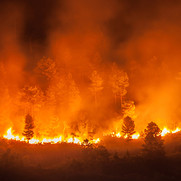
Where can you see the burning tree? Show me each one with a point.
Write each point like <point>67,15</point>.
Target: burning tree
<point>153,145</point>
<point>96,84</point>
<point>128,109</point>
<point>46,67</point>
<point>29,126</point>
<point>31,98</point>
<point>73,92</point>
<point>119,82</point>
<point>128,127</point>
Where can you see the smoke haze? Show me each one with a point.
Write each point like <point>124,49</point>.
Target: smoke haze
<point>142,37</point>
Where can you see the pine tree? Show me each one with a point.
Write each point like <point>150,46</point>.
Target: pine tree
<point>128,109</point>
<point>119,82</point>
<point>128,127</point>
<point>46,67</point>
<point>73,91</point>
<point>29,126</point>
<point>153,145</point>
<point>31,98</point>
<point>96,84</point>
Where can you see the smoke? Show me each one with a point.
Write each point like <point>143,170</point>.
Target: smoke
<point>142,37</point>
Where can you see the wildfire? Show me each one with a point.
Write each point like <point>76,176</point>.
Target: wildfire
<point>76,140</point>
<point>166,131</point>
<point>136,136</point>
<point>10,136</point>
<point>176,130</point>
<point>60,139</point>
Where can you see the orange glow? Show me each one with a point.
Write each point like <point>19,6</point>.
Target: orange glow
<point>76,140</point>
<point>136,136</point>
<point>10,136</point>
<point>165,131</point>
<point>118,135</point>
<point>176,130</point>
<point>60,139</point>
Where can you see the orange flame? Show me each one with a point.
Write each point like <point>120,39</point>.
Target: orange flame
<point>74,140</point>
<point>166,131</point>
<point>136,136</point>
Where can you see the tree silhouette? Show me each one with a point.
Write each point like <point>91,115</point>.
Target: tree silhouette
<point>29,126</point>
<point>153,145</point>
<point>31,98</point>
<point>128,127</point>
<point>96,84</point>
<point>128,109</point>
<point>46,67</point>
<point>119,82</point>
<point>73,92</point>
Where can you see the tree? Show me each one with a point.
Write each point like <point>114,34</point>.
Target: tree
<point>128,109</point>
<point>96,84</point>
<point>47,67</point>
<point>73,93</point>
<point>119,82</point>
<point>153,145</point>
<point>32,98</point>
<point>128,127</point>
<point>29,126</point>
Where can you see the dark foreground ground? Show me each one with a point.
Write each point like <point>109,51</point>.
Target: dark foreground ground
<point>113,159</point>
<point>124,169</point>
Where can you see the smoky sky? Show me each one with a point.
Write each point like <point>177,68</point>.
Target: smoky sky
<point>141,36</point>
<point>128,32</point>
<point>36,16</point>
<point>130,18</point>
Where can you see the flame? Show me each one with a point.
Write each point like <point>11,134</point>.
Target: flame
<point>125,136</point>
<point>76,140</point>
<point>10,136</point>
<point>118,135</point>
<point>60,139</point>
<point>34,141</point>
<point>176,130</point>
<point>96,140</point>
<point>165,131</point>
<point>136,136</point>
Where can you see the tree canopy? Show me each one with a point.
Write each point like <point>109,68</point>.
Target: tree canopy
<point>153,142</point>
<point>29,126</point>
<point>128,127</point>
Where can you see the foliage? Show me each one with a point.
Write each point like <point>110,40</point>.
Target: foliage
<point>29,126</point>
<point>128,109</point>
<point>153,145</point>
<point>119,82</point>
<point>128,127</point>
<point>73,91</point>
<point>31,97</point>
<point>96,84</point>
<point>46,67</point>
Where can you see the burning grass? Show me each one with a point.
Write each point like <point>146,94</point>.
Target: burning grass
<point>78,140</point>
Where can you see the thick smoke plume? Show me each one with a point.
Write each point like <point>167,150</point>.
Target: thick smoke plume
<point>79,37</point>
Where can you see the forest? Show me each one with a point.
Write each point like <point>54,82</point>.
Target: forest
<point>73,132</point>
<point>90,90</point>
